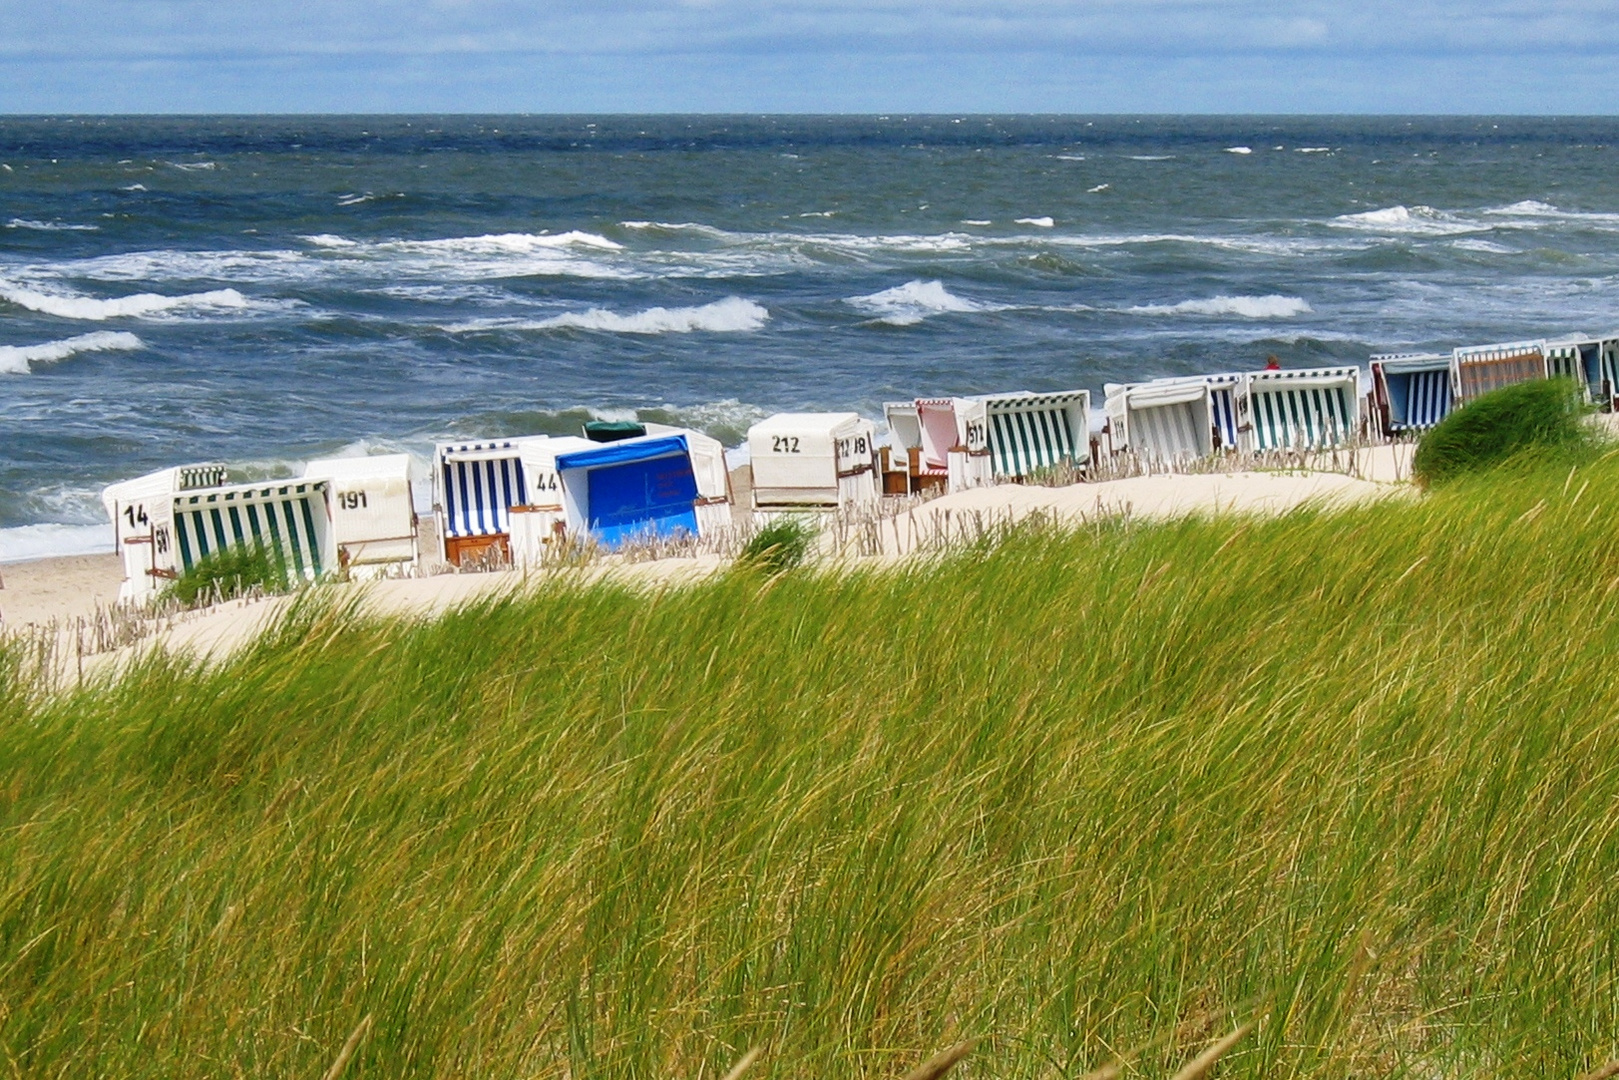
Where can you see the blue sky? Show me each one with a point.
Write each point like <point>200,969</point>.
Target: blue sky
<point>1553,56</point>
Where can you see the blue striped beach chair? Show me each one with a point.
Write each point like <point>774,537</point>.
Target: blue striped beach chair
<point>476,485</point>
<point>1411,391</point>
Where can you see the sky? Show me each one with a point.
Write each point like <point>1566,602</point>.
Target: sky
<point>1060,56</point>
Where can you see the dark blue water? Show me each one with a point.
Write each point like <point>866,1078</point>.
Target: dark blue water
<point>264,290</point>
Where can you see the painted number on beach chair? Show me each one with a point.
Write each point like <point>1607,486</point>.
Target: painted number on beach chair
<point>784,444</point>
<point>160,539</point>
<point>136,516</point>
<point>351,500</point>
<point>546,481</point>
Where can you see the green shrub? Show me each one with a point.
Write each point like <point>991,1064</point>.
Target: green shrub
<point>1543,414</point>
<point>227,574</point>
<point>779,546</point>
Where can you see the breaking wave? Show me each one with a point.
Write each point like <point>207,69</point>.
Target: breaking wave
<point>1247,307</point>
<point>120,307</point>
<point>49,226</point>
<point>1407,221</point>
<point>1038,222</point>
<point>910,303</point>
<point>19,359</point>
<point>731,315</point>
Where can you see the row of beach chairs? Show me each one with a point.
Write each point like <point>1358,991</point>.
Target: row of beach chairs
<point>511,500</point>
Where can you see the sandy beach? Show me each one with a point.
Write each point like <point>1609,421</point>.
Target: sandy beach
<point>62,591</point>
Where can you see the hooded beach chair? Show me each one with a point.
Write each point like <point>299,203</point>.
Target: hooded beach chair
<point>373,513</point>
<point>1299,409</point>
<point>1410,391</point>
<point>1026,432</point>
<point>1478,369</point>
<point>475,486</point>
<point>813,461</point>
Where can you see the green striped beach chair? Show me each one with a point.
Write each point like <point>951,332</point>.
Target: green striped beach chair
<point>1301,409</point>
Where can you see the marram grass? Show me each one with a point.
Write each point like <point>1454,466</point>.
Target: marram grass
<point>1087,798</point>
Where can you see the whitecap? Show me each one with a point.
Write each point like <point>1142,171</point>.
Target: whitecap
<point>133,187</point>
<point>1486,246</point>
<point>1409,221</point>
<point>1039,222</point>
<point>26,542</point>
<point>509,243</point>
<point>329,240</point>
<point>731,315</point>
<point>819,213</point>
<point>1247,307</point>
<point>1097,188</point>
<point>119,307</point>
<point>1312,149</point>
<point>910,303</point>
<point>355,200</point>
<point>193,166</point>
<point>1239,150</point>
<point>1069,157</point>
<point>49,226</point>
<point>976,221</point>
<point>19,359</point>
<point>1151,157</point>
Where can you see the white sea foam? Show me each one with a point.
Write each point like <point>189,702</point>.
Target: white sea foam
<point>1151,157</point>
<point>25,542</point>
<point>508,243</point>
<point>356,200</point>
<point>1039,222</point>
<point>1069,157</point>
<point>976,221</point>
<point>1239,150</point>
<point>1540,212</point>
<point>1407,221</point>
<point>1488,247</point>
<point>49,226</point>
<point>329,240</point>
<point>731,315</point>
<point>1247,307</point>
<point>19,359</point>
<point>819,213</point>
<point>193,166</point>
<point>910,303</point>
<point>120,307</point>
<point>1312,149</point>
<point>1098,188</point>
<point>133,187</point>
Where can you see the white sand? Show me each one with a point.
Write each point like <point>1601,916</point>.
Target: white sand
<point>65,589</point>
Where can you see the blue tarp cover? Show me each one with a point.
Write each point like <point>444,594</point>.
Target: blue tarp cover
<point>637,489</point>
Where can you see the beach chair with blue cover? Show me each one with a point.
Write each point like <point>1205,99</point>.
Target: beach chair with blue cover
<point>1410,391</point>
<point>633,489</point>
<point>1299,409</point>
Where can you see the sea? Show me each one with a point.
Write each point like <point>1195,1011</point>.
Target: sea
<point>265,290</point>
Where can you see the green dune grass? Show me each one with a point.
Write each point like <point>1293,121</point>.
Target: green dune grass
<point>1086,797</point>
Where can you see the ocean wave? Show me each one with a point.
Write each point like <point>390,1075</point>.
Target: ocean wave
<point>507,243</point>
<point>1039,222</point>
<point>19,359</point>
<point>23,543</point>
<point>1097,189</point>
<point>1239,150</point>
<point>1151,157</point>
<point>678,227</point>
<point>910,303</point>
<point>1538,211</point>
<point>1247,307</point>
<point>1407,221</point>
<point>1488,247</point>
<point>731,315</point>
<point>49,226</point>
<point>193,166</point>
<point>1069,157</point>
<point>140,305</point>
<point>1312,149</point>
